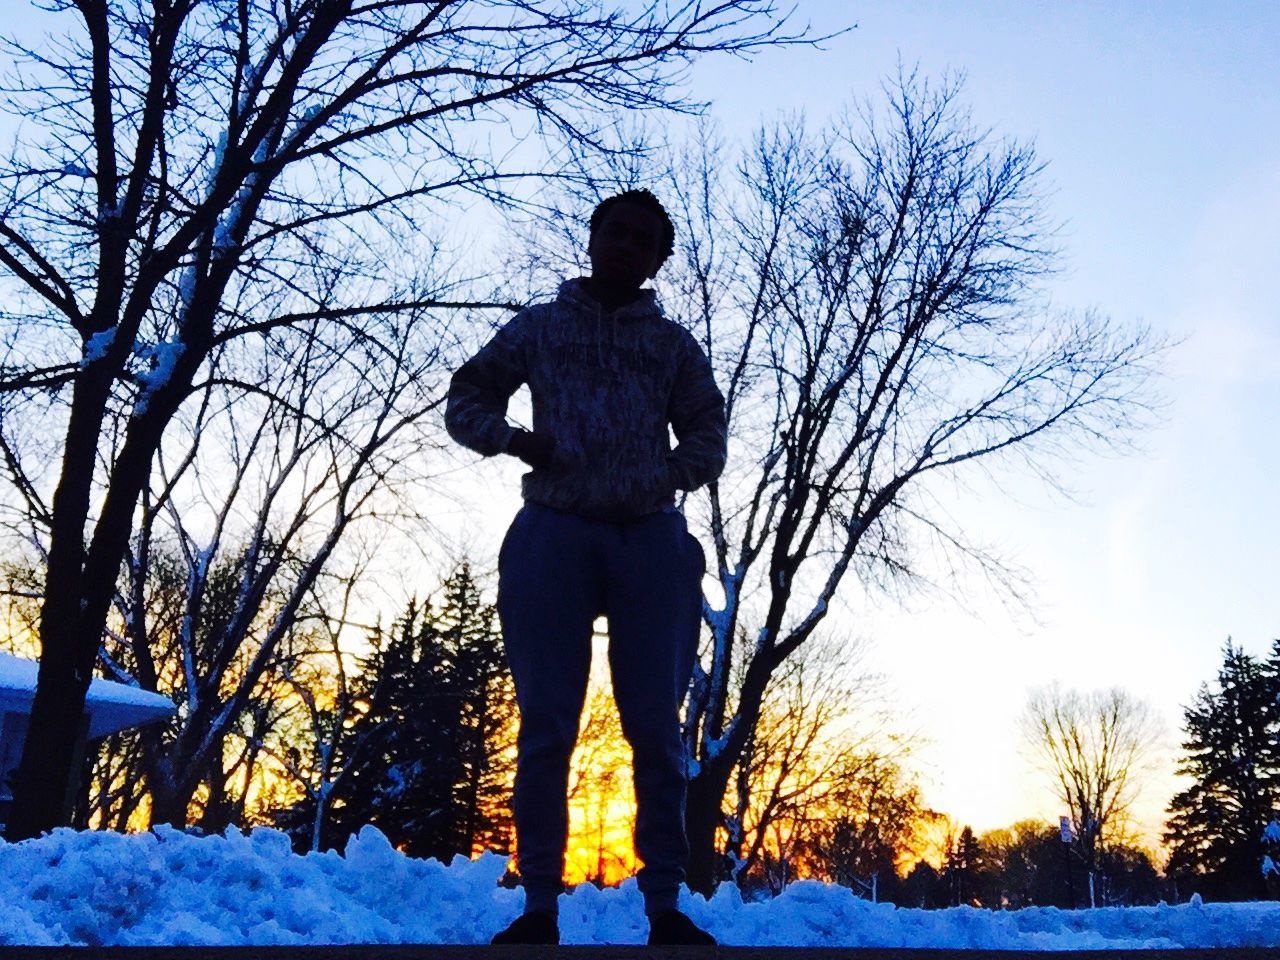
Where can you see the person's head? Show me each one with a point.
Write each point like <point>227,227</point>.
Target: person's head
<point>631,237</point>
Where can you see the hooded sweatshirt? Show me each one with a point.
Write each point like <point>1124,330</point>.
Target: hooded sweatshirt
<point>605,387</point>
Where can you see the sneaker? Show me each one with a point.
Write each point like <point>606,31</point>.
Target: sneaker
<point>672,927</point>
<point>537,927</point>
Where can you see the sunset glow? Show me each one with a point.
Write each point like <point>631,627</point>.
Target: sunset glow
<point>602,805</point>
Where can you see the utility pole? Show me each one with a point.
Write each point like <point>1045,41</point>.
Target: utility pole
<point>1064,829</point>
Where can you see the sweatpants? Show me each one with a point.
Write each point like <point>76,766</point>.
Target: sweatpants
<point>557,572</point>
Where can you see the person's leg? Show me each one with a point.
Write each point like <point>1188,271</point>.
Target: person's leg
<point>653,602</point>
<point>548,596</point>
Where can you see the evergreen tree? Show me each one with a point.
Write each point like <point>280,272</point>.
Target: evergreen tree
<point>963,867</point>
<point>485,715</point>
<point>1215,826</point>
<point>922,888</point>
<point>430,753</point>
<point>1023,866</point>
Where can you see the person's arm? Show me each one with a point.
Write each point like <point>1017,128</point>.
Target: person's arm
<point>476,411</point>
<point>697,417</point>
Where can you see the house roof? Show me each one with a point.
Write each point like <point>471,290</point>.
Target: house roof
<point>111,706</point>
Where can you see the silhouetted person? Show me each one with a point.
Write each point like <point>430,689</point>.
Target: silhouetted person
<point>599,534</point>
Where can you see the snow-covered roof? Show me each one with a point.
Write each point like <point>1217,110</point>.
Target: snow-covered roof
<point>111,706</point>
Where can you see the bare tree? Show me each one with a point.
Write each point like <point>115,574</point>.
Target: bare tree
<point>20,595</point>
<point>825,743</point>
<point>230,568</point>
<point>203,174</point>
<point>873,819</point>
<point>320,682</point>
<point>320,742</point>
<point>258,488</point>
<point>869,297</point>
<point>869,300</point>
<point>111,793</point>
<point>1095,747</point>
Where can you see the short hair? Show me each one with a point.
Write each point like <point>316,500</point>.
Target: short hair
<point>641,198</point>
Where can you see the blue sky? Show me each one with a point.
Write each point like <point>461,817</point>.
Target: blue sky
<point>1161,127</point>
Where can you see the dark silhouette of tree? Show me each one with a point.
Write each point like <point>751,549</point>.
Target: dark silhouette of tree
<point>962,870</point>
<point>1231,753</point>
<point>867,295</point>
<point>428,756</point>
<point>921,889</point>
<point>822,789</point>
<point>1095,747</point>
<point>181,769</point>
<point>1025,866</point>
<point>467,626</point>
<point>871,820</point>
<point>1127,877</point>
<point>861,292</point>
<point>204,192</point>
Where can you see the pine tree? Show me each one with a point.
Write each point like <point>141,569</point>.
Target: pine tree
<point>1215,826</point>
<point>962,868</point>
<point>922,888</point>
<point>430,754</point>
<point>1023,866</point>
<point>485,719</point>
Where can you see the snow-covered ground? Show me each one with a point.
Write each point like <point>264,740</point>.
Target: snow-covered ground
<point>170,888</point>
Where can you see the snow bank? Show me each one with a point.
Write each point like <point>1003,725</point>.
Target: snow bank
<point>170,888</point>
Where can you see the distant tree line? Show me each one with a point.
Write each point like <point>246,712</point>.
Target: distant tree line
<point>1222,833</point>
<point>1027,865</point>
<point>415,734</point>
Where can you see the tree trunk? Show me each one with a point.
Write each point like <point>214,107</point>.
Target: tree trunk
<point>47,772</point>
<point>167,806</point>
<point>76,598</point>
<point>174,789</point>
<point>702,816</point>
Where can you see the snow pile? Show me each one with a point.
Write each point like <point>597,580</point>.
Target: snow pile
<point>170,888</point>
